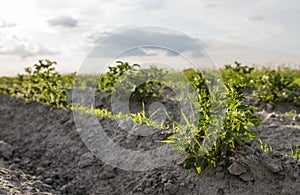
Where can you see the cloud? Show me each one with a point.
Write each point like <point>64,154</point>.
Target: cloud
<point>64,21</point>
<point>155,39</point>
<point>212,4</point>
<point>5,24</point>
<point>135,52</point>
<point>96,37</point>
<point>256,18</point>
<point>152,5</point>
<point>13,45</point>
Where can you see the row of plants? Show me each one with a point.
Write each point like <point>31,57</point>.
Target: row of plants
<point>131,80</point>
<point>42,83</point>
<point>270,86</point>
<point>220,119</point>
<point>222,124</point>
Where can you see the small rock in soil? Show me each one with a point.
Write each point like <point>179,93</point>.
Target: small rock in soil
<point>220,191</point>
<point>86,159</point>
<point>49,181</point>
<point>274,125</point>
<point>166,177</point>
<point>171,188</point>
<point>39,170</point>
<point>271,115</point>
<point>220,175</point>
<point>16,160</point>
<point>273,165</point>
<point>148,190</point>
<point>67,188</point>
<point>246,176</point>
<point>249,149</point>
<point>6,150</point>
<point>236,169</point>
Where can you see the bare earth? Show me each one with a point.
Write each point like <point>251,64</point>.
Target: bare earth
<point>42,153</point>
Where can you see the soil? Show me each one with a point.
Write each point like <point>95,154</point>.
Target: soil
<point>43,153</point>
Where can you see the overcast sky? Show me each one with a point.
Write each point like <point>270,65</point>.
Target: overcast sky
<point>255,32</point>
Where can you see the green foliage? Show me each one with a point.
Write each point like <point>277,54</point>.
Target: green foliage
<point>265,146</point>
<point>239,74</point>
<point>42,84</point>
<point>222,120</point>
<point>291,113</point>
<point>142,84</point>
<point>273,87</point>
<point>239,68</point>
<point>98,112</point>
<point>141,118</point>
<point>68,80</point>
<point>6,83</point>
<point>296,152</point>
<point>200,85</point>
<point>86,81</point>
<point>108,80</point>
<point>138,118</point>
<point>129,80</point>
<point>188,73</point>
<point>225,135</point>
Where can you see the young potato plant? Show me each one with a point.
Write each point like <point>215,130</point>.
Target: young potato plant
<point>6,83</point>
<point>42,84</point>
<point>273,87</point>
<point>3,89</point>
<point>225,130</point>
<point>108,80</point>
<point>239,74</point>
<point>138,84</point>
<point>142,84</point>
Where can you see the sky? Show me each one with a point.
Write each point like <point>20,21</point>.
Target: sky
<point>75,33</point>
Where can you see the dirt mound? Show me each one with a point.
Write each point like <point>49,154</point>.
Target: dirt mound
<point>48,147</point>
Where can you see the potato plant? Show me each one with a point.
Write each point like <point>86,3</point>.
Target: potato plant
<point>239,74</point>
<point>125,79</point>
<point>142,84</point>
<point>227,133</point>
<point>108,80</point>
<point>6,83</point>
<point>273,87</point>
<point>222,120</point>
<point>42,84</point>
